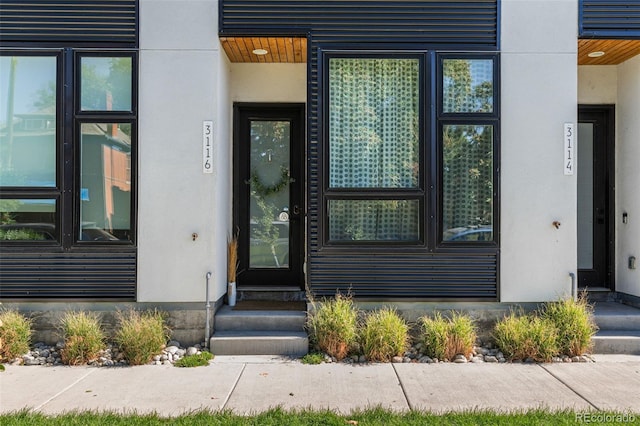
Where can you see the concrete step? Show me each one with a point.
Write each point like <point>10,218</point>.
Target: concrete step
<point>260,343</point>
<point>229,320</point>
<point>616,316</point>
<point>617,342</point>
<point>280,293</point>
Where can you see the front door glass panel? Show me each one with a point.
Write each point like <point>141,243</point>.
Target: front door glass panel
<point>269,181</point>
<point>585,196</point>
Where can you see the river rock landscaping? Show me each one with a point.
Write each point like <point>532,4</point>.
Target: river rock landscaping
<point>49,355</point>
<point>483,352</point>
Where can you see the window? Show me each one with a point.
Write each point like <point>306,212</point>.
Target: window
<point>66,173</point>
<point>27,122</point>
<point>468,123</point>
<point>410,163</point>
<point>374,186</point>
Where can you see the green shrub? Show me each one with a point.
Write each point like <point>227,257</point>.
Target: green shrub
<point>444,338</point>
<point>15,335</point>
<point>333,326</point>
<point>433,335</point>
<point>312,358</point>
<point>197,360</point>
<point>83,337</point>
<point>526,336</point>
<point>385,334</point>
<point>574,322</point>
<point>141,335</point>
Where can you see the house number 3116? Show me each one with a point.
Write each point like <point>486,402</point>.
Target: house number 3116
<point>569,148</point>
<point>207,146</point>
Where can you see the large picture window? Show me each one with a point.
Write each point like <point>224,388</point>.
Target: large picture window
<point>411,156</point>
<point>374,149</point>
<point>66,167</point>
<point>28,121</point>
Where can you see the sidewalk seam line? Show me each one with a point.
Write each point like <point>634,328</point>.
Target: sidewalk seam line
<point>228,397</point>
<point>404,391</point>
<point>570,388</point>
<point>65,389</point>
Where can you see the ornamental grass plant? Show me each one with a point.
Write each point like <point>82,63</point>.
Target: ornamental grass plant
<point>385,334</point>
<point>141,335</point>
<point>332,326</point>
<point>446,337</point>
<point>575,324</point>
<point>15,334</point>
<point>522,337</point>
<point>83,337</point>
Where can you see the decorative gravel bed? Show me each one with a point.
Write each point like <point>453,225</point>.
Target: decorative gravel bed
<point>43,354</point>
<point>483,352</point>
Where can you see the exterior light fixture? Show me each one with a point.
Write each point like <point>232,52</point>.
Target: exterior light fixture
<point>596,54</point>
<point>260,51</point>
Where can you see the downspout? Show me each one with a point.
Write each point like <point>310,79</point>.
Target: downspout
<point>207,327</point>
<point>574,288</point>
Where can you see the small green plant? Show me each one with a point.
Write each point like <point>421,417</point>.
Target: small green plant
<point>1,367</point>
<point>575,324</point>
<point>526,336</point>
<point>312,358</point>
<point>197,360</point>
<point>83,337</point>
<point>444,338</point>
<point>333,326</point>
<point>385,334</point>
<point>141,335</point>
<point>15,335</point>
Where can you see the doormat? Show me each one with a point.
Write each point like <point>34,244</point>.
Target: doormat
<point>269,305</point>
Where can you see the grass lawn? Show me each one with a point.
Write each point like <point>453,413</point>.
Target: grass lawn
<point>279,417</point>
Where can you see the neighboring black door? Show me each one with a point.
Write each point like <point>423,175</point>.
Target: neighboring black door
<point>595,196</point>
<point>268,193</point>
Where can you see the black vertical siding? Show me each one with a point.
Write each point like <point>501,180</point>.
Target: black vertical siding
<point>610,19</point>
<point>68,275</point>
<point>458,22</point>
<point>69,23</point>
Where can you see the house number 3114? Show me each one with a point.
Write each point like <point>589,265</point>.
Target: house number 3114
<point>569,148</point>
<point>207,146</point>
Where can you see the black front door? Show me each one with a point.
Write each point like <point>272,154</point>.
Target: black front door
<point>595,196</point>
<point>268,193</point>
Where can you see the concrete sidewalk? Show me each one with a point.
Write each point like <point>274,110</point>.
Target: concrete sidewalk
<point>252,384</point>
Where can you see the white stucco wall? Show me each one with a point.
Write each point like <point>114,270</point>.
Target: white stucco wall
<point>182,82</point>
<point>597,84</point>
<point>269,82</point>
<point>539,94</point>
<point>628,175</point>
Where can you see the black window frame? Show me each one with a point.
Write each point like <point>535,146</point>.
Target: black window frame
<point>400,194</point>
<point>473,119</point>
<point>104,116</point>
<point>69,119</point>
<point>431,121</point>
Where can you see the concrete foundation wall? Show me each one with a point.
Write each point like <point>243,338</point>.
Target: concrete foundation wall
<point>186,321</point>
<point>539,92</point>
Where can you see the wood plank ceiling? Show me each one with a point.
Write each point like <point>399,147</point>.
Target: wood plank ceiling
<point>278,49</point>
<point>294,50</point>
<point>615,51</point>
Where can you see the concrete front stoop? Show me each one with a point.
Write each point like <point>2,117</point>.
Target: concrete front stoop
<point>259,333</point>
<point>619,326</point>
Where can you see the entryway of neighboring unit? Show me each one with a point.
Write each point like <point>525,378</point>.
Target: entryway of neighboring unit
<point>268,193</point>
<point>595,173</point>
